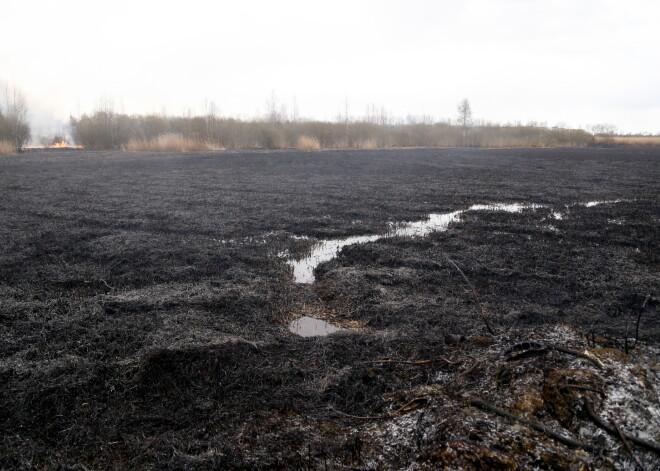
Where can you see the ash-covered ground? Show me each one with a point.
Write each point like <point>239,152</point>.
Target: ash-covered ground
<point>144,303</point>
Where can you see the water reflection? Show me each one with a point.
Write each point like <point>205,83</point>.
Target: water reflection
<point>324,250</point>
<point>590,204</point>
<point>307,326</point>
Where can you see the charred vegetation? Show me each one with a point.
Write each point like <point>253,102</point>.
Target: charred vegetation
<point>144,300</point>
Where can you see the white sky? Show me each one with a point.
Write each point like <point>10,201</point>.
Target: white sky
<point>572,62</point>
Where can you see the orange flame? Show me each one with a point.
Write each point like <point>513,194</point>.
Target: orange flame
<point>64,145</point>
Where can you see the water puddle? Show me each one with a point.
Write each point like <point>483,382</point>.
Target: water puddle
<point>307,326</point>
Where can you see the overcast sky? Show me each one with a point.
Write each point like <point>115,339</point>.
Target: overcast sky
<point>571,62</point>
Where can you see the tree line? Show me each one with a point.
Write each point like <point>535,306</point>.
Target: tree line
<point>107,129</point>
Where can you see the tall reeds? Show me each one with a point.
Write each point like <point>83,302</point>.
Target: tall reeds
<point>6,147</point>
<point>170,143</point>
<point>308,143</point>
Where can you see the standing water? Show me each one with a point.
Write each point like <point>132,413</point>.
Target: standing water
<point>324,250</point>
<point>307,326</point>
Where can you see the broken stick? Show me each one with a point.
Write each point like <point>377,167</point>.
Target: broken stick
<point>612,430</point>
<point>535,425</point>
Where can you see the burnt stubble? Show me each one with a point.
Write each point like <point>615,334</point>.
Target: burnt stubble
<point>144,303</point>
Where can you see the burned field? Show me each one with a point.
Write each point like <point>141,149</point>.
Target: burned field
<point>145,302</point>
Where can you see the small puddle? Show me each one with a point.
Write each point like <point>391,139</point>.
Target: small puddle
<point>307,326</point>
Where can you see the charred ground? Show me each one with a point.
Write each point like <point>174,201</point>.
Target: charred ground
<point>143,304</point>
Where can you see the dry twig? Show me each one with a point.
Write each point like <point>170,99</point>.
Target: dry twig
<point>639,317</point>
<point>407,405</point>
<point>408,362</point>
<point>626,443</point>
<point>403,408</point>
<point>484,313</point>
<point>361,417</point>
<point>541,349</point>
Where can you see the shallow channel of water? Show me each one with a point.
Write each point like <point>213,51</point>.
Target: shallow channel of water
<point>324,250</point>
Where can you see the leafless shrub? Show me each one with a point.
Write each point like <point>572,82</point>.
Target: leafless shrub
<point>366,144</point>
<point>14,126</point>
<point>341,143</point>
<point>271,136</point>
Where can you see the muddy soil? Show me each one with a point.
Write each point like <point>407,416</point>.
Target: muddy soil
<point>145,303</point>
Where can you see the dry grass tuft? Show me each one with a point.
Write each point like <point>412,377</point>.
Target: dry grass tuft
<point>210,145</point>
<point>6,148</point>
<point>171,143</point>
<point>366,144</point>
<point>308,143</point>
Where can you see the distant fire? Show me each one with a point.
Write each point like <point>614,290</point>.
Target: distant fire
<point>63,145</point>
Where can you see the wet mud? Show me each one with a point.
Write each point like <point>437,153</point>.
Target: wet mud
<point>146,310</point>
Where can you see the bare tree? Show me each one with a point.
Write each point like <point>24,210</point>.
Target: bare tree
<point>464,117</point>
<point>346,121</point>
<point>211,120</point>
<point>272,113</point>
<point>14,124</point>
<point>295,114</point>
<point>464,114</point>
<point>604,134</point>
<point>603,129</point>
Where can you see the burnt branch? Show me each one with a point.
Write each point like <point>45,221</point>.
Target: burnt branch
<point>611,429</point>
<point>535,425</point>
